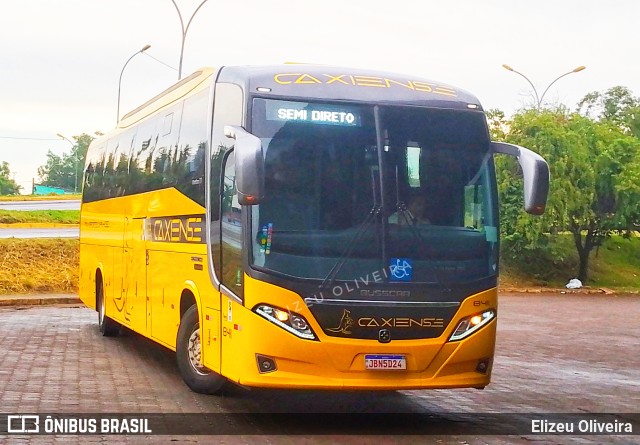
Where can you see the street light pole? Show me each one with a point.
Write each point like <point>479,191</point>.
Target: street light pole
<point>535,92</point>
<point>144,48</point>
<point>75,157</point>
<point>184,32</point>
<point>575,70</point>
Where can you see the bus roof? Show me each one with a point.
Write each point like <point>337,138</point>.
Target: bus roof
<point>197,81</point>
<point>307,81</point>
<point>338,83</point>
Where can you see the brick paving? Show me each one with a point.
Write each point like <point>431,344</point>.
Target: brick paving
<point>555,353</point>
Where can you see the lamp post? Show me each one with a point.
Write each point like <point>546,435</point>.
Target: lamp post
<point>75,157</point>
<point>144,48</point>
<point>539,99</point>
<point>184,32</point>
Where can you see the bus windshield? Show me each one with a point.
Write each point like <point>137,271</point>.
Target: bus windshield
<point>409,195</point>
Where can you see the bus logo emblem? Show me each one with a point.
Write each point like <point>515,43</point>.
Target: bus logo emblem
<point>345,323</point>
<point>384,336</point>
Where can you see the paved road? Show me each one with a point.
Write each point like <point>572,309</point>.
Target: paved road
<point>40,232</point>
<point>62,232</point>
<point>61,204</point>
<point>555,354</point>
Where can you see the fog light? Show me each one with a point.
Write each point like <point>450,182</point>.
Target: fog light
<point>471,324</point>
<point>483,365</point>
<point>266,364</point>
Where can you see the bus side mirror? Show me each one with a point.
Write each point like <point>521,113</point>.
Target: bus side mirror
<point>536,175</point>
<point>249,165</point>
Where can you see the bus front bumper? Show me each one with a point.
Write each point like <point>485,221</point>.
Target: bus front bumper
<point>338,363</point>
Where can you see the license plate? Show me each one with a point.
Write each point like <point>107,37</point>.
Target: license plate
<point>385,362</point>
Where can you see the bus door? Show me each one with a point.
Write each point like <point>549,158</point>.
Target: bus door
<point>134,259</point>
<point>226,219</point>
<point>230,253</point>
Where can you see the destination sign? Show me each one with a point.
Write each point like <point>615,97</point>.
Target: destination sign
<point>278,110</point>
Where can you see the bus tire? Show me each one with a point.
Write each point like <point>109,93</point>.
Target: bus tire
<point>107,326</point>
<point>196,376</point>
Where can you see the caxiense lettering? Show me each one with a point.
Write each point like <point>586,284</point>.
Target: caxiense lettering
<point>400,322</point>
<point>178,230</point>
<point>362,81</point>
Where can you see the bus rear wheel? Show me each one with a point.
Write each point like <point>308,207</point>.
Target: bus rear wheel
<point>188,355</point>
<point>107,326</point>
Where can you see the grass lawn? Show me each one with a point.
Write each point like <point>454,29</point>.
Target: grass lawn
<point>40,216</point>
<point>51,265</point>
<point>615,265</point>
<point>38,265</point>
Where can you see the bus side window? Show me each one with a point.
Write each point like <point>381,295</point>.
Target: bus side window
<point>231,229</point>
<point>473,212</point>
<point>189,157</point>
<point>228,110</point>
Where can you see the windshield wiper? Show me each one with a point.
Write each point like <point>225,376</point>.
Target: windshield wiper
<point>372,216</point>
<point>377,212</point>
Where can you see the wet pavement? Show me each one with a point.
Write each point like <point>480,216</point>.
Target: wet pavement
<point>555,353</point>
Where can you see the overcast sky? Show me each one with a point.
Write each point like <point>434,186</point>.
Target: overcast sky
<point>61,59</point>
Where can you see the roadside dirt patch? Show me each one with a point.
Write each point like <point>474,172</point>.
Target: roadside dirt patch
<point>38,265</point>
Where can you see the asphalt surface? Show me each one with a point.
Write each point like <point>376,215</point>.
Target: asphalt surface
<point>556,353</point>
<point>40,232</point>
<point>62,204</point>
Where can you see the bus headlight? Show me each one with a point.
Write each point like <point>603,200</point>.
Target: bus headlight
<point>287,320</point>
<point>471,324</point>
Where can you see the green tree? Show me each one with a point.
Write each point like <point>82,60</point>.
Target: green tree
<point>509,185</point>
<point>617,105</point>
<point>7,185</point>
<point>620,108</point>
<point>594,170</point>
<point>498,124</point>
<point>66,171</point>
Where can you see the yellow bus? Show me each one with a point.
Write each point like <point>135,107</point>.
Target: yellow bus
<point>300,226</point>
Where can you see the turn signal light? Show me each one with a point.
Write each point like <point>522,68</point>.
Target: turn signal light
<point>281,315</point>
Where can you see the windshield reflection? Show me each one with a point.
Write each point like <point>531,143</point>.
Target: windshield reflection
<point>322,216</point>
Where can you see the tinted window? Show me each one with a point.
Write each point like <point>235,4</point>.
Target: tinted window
<point>186,169</point>
<point>423,199</point>
<point>231,229</point>
<point>227,111</point>
<point>166,150</point>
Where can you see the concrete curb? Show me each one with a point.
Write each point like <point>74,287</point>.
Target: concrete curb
<point>39,226</point>
<point>38,300</point>
<point>581,291</point>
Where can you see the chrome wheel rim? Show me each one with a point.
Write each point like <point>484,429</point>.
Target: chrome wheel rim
<point>194,352</point>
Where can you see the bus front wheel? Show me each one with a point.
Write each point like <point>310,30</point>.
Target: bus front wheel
<point>107,326</point>
<point>188,355</point>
